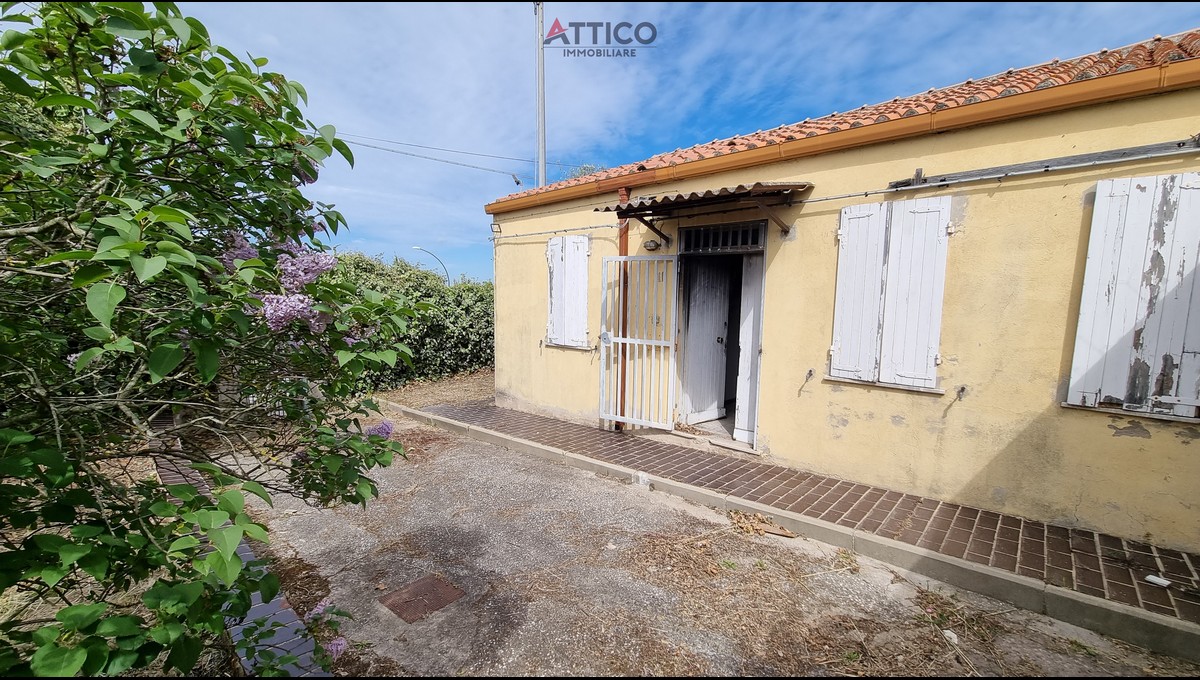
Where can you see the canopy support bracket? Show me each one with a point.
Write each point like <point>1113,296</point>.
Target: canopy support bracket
<point>649,225</point>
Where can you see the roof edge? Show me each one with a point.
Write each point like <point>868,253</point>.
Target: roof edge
<point>1115,87</point>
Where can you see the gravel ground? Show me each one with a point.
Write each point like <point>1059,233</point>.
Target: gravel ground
<point>568,573</point>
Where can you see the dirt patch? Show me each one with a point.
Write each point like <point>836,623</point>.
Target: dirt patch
<point>457,389</point>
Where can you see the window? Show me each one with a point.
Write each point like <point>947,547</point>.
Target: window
<point>566,324</point>
<point>1137,346</point>
<point>887,315</point>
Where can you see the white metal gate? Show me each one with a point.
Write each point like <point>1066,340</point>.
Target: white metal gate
<point>637,340</point>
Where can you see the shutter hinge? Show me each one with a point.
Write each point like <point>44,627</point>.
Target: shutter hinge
<point>937,359</point>
<point>832,349</point>
<point>839,234</point>
<point>951,228</point>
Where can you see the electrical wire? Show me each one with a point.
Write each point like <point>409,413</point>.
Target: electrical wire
<point>468,153</point>
<point>441,160</point>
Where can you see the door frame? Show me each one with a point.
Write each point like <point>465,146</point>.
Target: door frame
<point>680,331</point>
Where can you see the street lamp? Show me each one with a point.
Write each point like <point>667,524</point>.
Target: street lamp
<point>439,262</point>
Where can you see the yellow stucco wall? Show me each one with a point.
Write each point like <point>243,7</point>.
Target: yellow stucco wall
<point>1014,274</point>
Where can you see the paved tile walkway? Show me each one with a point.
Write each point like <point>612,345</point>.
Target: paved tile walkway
<point>1093,564</point>
<point>290,636</point>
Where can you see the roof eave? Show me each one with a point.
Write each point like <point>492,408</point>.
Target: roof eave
<point>1164,78</point>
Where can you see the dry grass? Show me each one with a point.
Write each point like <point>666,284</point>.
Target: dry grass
<point>453,390</point>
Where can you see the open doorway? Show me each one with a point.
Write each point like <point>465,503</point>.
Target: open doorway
<point>720,329</point>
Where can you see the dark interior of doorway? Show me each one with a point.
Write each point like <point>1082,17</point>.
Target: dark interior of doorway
<point>723,427</point>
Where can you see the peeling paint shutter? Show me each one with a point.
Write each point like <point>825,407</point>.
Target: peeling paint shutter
<point>567,259</point>
<point>575,258</point>
<point>914,282</point>
<point>556,323</point>
<point>1137,346</point>
<point>862,238</point>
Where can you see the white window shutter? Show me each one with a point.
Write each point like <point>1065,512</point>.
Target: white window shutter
<point>576,290</point>
<point>862,237</point>
<point>914,282</point>
<point>1101,281</point>
<point>1136,345</point>
<point>556,320</point>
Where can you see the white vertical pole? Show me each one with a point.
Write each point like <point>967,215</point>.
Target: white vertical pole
<point>541,98</point>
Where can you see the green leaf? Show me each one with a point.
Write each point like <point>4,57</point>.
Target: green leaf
<point>120,661</point>
<point>125,28</point>
<point>183,543</point>
<point>268,587</point>
<point>86,357</point>
<point>102,301</point>
<point>66,100</point>
<point>232,501</point>
<point>121,344</point>
<point>97,654</point>
<point>258,490</point>
<point>147,268</point>
<point>181,29</point>
<point>236,136</point>
<point>90,273</point>
<point>80,616</point>
<point>146,118</point>
<point>344,149</point>
<point>388,356</point>
<point>167,633</point>
<point>184,654</point>
<point>98,126</point>
<point>164,509</point>
<point>98,333</point>
<point>256,532</point>
<point>71,553</point>
<point>344,356</point>
<point>47,634</point>
<point>327,132</point>
<point>226,539</point>
<point>95,564</point>
<point>120,626</point>
<point>69,255</point>
<point>16,83</point>
<point>86,530</point>
<point>226,569</point>
<point>52,575</point>
<point>57,662</point>
<point>163,360</point>
<point>172,248</point>
<point>207,359</point>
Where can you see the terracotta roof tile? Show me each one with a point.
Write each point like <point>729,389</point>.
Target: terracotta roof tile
<point>1147,54</point>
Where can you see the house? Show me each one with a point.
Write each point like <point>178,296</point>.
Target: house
<point>985,294</point>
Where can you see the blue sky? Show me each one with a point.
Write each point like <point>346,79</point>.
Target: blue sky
<point>461,76</point>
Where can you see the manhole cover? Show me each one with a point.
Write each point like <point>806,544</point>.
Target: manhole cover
<point>422,597</point>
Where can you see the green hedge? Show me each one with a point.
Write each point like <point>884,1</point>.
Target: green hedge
<point>455,334</point>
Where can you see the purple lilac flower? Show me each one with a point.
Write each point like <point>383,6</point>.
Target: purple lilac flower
<point>351,340</point>
<point>280,310</point>
<point>383,429</point>
<point>296,271</point>
<point>335,647</point>
<point>72,358</point>
<point>239,249</point>
<point>317,610</point>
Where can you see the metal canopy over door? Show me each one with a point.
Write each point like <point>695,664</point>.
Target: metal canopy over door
<point>637,340</point>
<point>704,351</point>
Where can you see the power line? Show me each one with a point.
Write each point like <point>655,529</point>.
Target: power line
<point>440,160</point>
<point>468,153</point>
